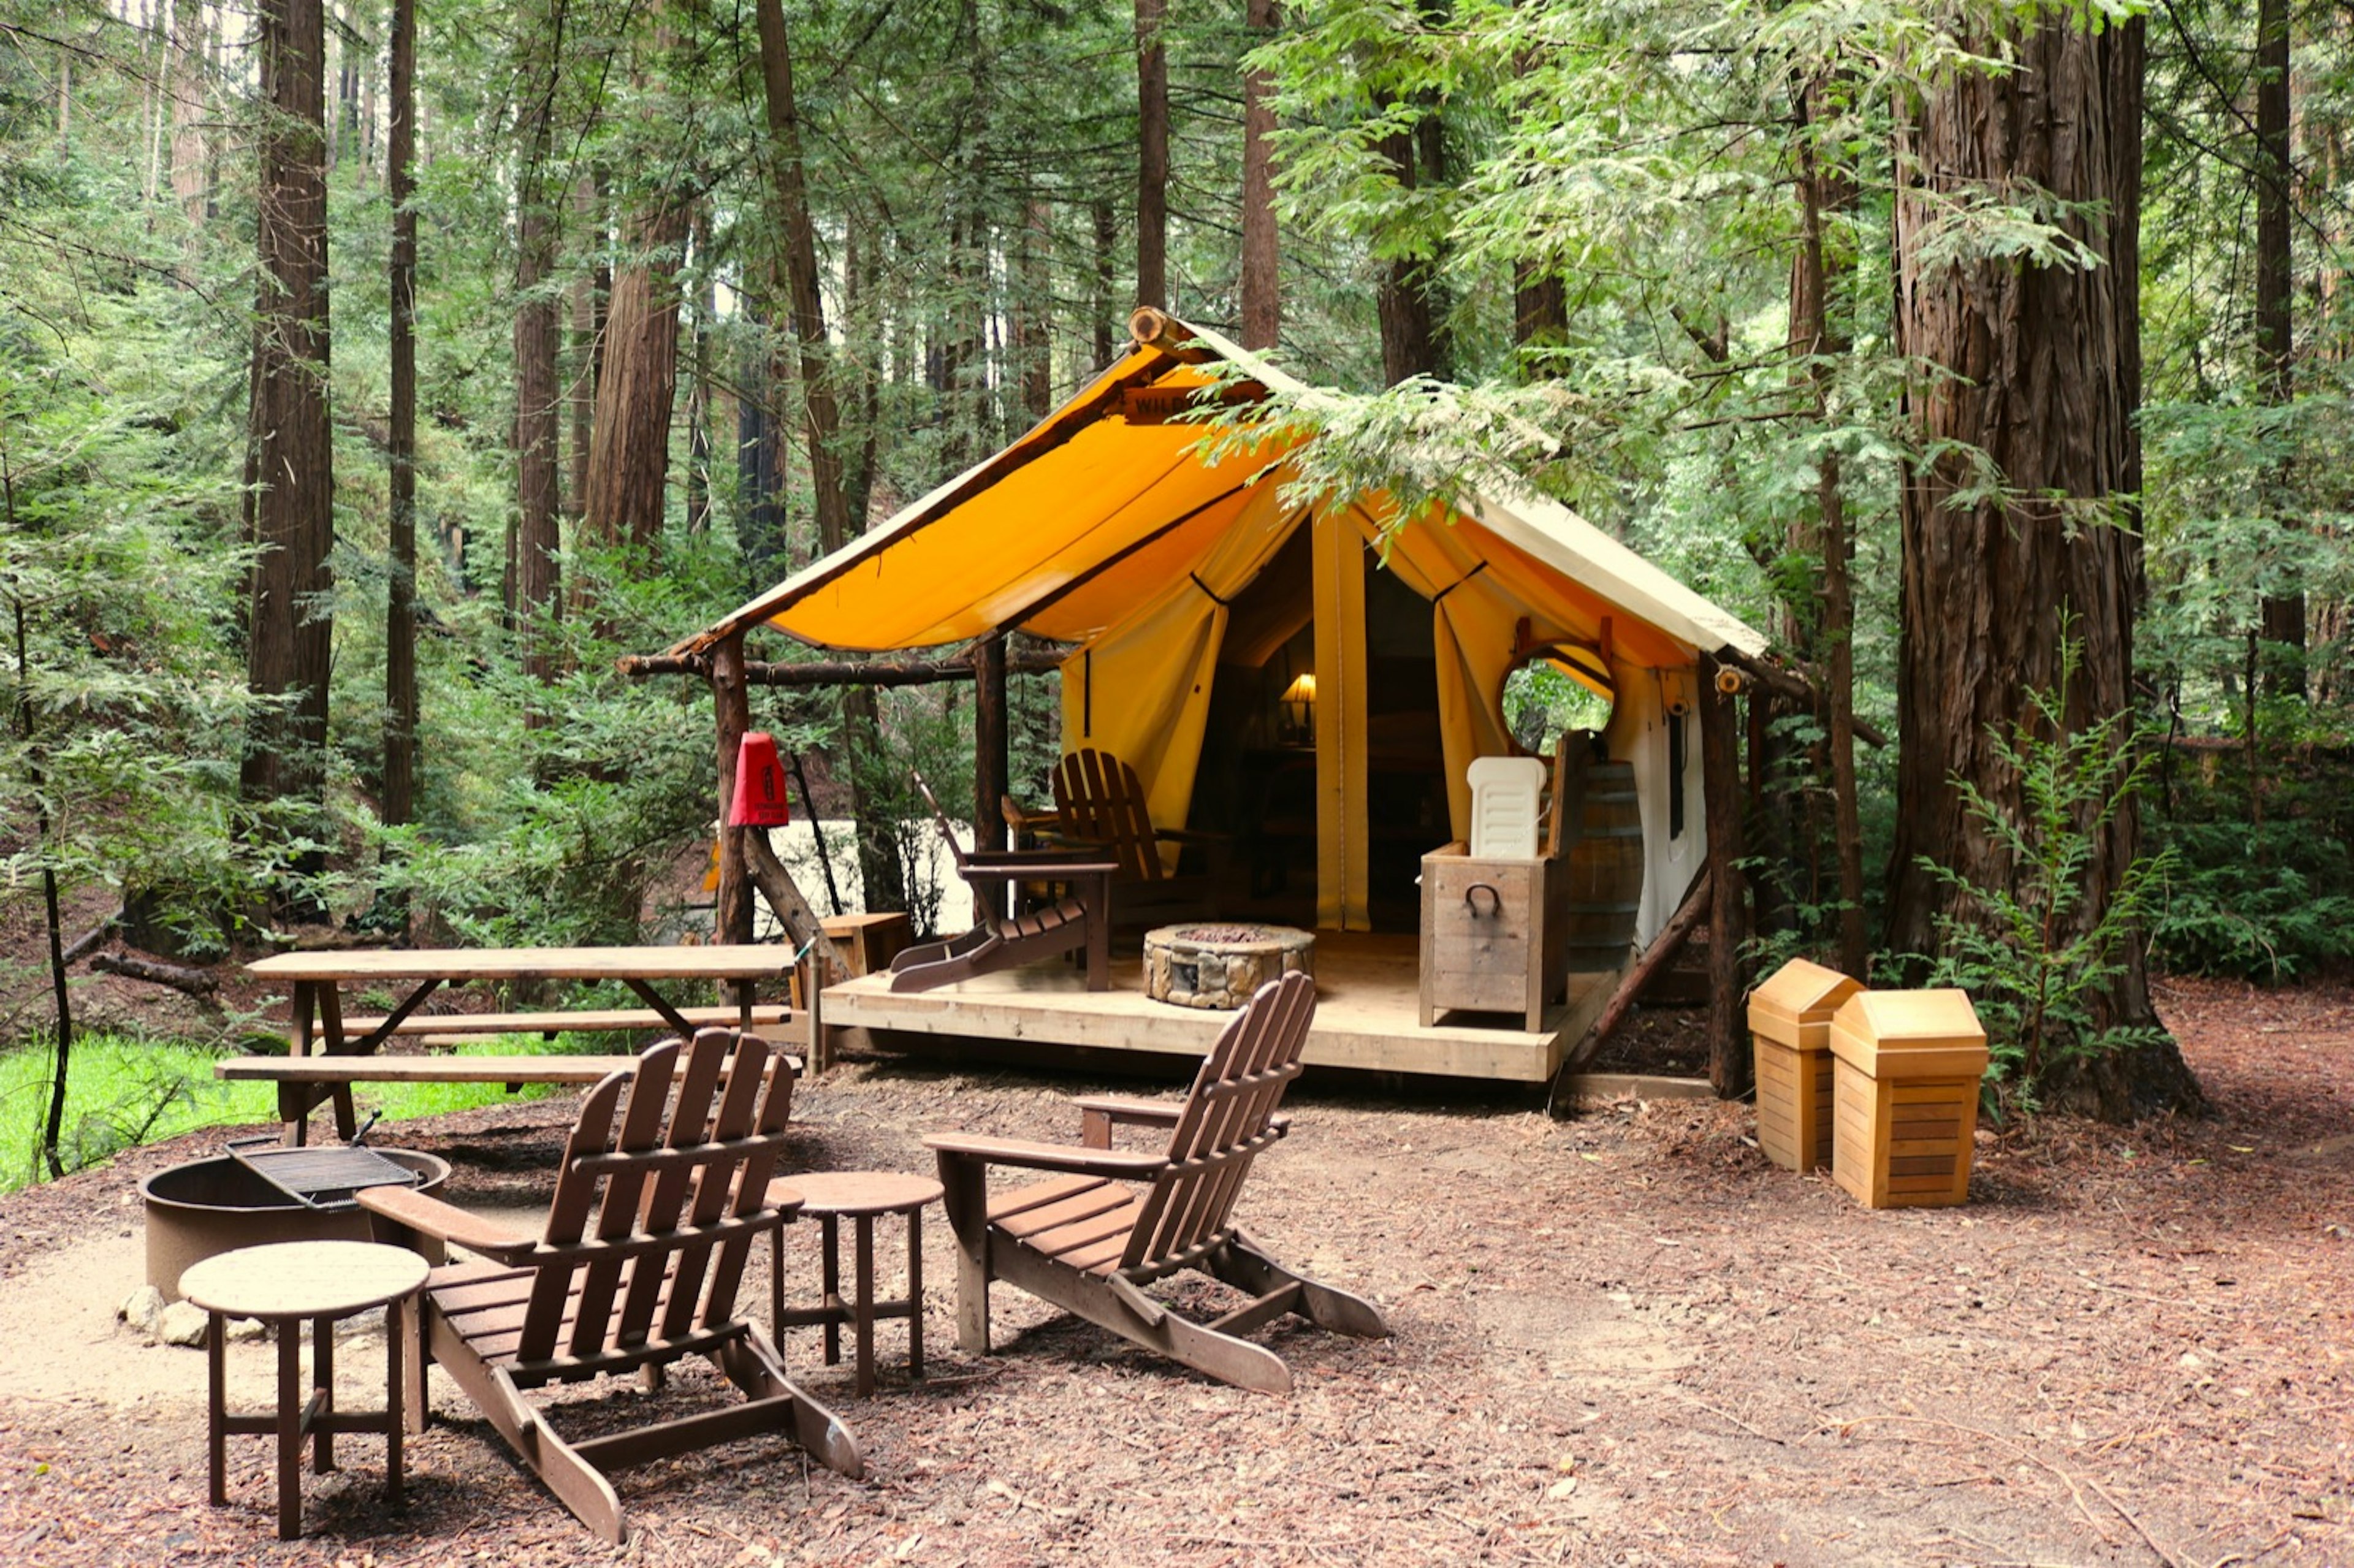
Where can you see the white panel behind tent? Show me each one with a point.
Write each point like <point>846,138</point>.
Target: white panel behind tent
<point>1650,702</point>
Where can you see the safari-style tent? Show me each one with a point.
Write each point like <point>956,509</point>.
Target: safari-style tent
<point>1192,597</point>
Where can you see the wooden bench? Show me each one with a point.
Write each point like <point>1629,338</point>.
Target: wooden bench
<point>778,1022</point>
<point>294,1076</point>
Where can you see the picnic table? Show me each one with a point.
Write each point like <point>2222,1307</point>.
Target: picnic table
<point>316,1026</point>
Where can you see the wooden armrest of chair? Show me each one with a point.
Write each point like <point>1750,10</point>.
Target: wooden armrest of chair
<point>430,1216</point>
<point>1056,861</point>
<point>1121,1108</point>
<point>1100,1114</point>
<point>1079,1162</point>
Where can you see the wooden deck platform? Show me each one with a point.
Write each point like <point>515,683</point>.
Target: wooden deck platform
<point>1368,1007</point>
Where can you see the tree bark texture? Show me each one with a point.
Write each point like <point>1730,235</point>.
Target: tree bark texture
<point>637,383</point>
<point>1109,313</point>
<point>1034,335</point>
<point>2045,372</point>
<point>1262,296</point>
<point>629,448</point>
<point>587,329</point>
<point>187,116</point>
<point>2283,614</point>
<point>800,276</point>
<point>730,700</point>
<point>1818,331</point>
<point>400,595</point>
<point>1408,299</point>
<point>531,595</point>
<point>291,633</point>
<point>1151,155</point>
<point>1729,1064</point>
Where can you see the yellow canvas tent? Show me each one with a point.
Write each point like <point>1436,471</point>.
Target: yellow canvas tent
<point>1106,528</point>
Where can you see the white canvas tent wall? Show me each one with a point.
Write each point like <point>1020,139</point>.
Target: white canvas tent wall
<point>1106,528</point>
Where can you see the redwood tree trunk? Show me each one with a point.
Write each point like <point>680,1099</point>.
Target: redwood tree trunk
<point>877,856</point>
<point>1262,299</point>
<point>1151,155</point>
<point>187,116</point>
<point>400,596</point>
<point>291,633</point>
<point>629,447</point>
<point>2283,614</point>
<point>532,596</point>
<point>2044,366</point>
<point>1409,297</point>
<point>1818,330</point>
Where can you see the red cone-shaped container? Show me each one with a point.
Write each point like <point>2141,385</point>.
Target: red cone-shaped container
<point>759,785</point>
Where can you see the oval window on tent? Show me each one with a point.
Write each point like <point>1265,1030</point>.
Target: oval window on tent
<point>1559,689</point>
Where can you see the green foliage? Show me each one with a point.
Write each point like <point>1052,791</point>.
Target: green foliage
<point>126,1091</point>
<point>2270,903</point>
<point>2033,950</point>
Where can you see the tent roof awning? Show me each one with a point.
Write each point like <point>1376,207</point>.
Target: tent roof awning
<point>1107,500</point>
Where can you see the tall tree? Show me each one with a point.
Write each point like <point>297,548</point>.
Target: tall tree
<point>400,596</point>
<point>2033,361</point>
<point>1818,336</point>
<point>2283,614</point>
<point>1262,300</point>
<point>188,89</point>
<point>629,452</point>
<point>1409,296</point>
<point>289,628</point>
<point>878,859</point>
<point>1151,154</point>
<point>533,590</point>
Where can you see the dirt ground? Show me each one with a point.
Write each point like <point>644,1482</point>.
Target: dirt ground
<point>1618,1338</point>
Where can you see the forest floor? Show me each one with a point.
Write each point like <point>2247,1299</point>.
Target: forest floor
<point>1622,1337</point>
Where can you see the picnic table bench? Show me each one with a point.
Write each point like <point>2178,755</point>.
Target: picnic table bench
<point>326,1053</point>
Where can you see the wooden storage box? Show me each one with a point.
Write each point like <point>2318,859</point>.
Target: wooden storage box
<point>1495,933</point>
<point>1790,1043</point>
<point>1906,1092</point>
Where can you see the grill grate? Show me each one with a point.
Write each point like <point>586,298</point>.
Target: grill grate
<point>325,1178</point>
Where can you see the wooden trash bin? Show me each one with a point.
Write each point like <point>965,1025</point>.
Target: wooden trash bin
<point>1789,1042</point>
<point>1905,1091</point>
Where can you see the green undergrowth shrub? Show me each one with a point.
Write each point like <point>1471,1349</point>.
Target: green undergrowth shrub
<point>2265,894</point>
<point>2033,966</point>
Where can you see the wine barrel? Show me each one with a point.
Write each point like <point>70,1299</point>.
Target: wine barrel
<point>1605,870</point>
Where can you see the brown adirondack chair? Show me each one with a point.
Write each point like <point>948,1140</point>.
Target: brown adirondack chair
<point>647,1234</point>
<point>1088,1240</point>
<point>1100,800</point>
<point>1078,921</point>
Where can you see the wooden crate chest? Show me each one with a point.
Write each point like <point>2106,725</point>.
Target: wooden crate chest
<point>1495,933</point>
<point>1791,1044</point>
<point>1905,1095</point>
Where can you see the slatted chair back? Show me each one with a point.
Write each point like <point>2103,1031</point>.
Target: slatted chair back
<point>1101,802</point>
<point>1228,1117</point>
<point>663,1191</point>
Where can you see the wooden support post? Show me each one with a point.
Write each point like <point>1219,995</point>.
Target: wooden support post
<point>730,699</point>
<point>989,766</point>
<point>1728,918</point>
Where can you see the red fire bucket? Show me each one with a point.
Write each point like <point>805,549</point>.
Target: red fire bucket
<point>761,800</point>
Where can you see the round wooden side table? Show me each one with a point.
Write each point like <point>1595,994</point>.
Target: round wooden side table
<point>860,1197</point>
<point>283,1285</point>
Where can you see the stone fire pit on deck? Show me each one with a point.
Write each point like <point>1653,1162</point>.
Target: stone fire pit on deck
<point>1219,963</point>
